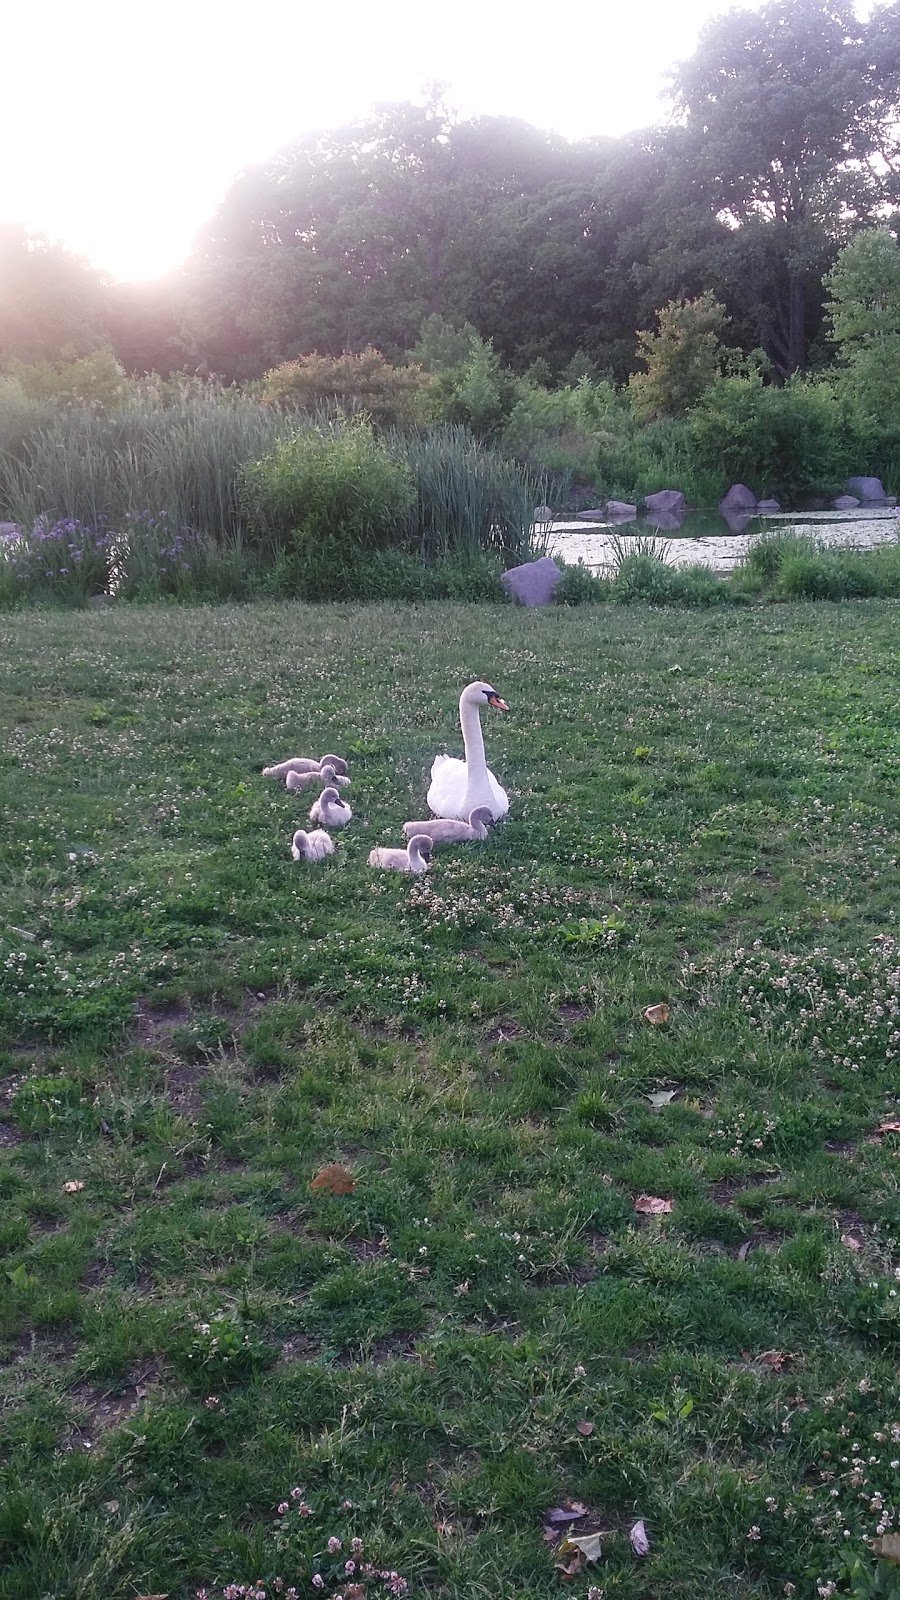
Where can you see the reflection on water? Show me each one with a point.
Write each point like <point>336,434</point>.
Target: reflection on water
<point>715,539</point>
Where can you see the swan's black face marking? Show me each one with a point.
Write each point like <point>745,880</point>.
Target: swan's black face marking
<point>494,699</point>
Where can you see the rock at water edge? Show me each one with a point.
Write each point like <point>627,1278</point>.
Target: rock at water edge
<point>669,500</point>
<point>534,582</point>
<point>738,498</point>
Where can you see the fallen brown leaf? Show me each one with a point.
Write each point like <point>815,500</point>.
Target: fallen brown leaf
<point>888,1547</point>
<point>891,1126</point>
<point>585,1428</point>
<point>75,1186</point>
<point>570,1568</point>
<point>745,1249</point>
<point>640,1544</point>
<point>442,1527</point>
<point>650,1205</point>
<point>335,1179</point>
<point>773,1358</point>
<point>852,1241</point>
<point>658,1015</point>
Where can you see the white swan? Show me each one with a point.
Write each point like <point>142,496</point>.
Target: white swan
<point>442,831</point>
<point>308,780</point>
<point>457,787</point>
<point>330,810</point>
<point>414,858</point>
<point>311,846</point>
<point>305,764</point>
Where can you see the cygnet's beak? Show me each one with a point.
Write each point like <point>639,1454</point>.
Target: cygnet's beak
<point>498,704</point>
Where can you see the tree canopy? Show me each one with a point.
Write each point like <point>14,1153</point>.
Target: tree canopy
<point>783,143</point>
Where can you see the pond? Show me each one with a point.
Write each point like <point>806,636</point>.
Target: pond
<point>707,537</point>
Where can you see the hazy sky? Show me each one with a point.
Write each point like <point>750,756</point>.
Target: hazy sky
<point>124,123</point>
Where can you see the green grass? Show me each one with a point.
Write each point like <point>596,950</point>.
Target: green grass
<point>705,811</point>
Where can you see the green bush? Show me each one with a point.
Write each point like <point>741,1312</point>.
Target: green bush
<point>646,579</point>
<point>682,358</point>
<point>784,442</point>
<point>328,495</point>
<point>365,383</point>
<point>579,586</point>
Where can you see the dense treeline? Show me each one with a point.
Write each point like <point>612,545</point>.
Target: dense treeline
<point>782,145</point>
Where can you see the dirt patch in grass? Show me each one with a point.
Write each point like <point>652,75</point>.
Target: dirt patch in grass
<point>105,1409</point>
<point>506,1031</point>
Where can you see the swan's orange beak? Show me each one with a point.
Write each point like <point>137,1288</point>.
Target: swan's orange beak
<point>498,704</point>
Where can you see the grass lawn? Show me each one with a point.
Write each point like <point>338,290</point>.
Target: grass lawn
<point>706,813</point>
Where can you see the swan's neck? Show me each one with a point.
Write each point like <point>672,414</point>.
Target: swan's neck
<point>473,738</point>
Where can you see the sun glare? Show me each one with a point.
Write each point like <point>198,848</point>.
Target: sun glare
<point>133,122</point>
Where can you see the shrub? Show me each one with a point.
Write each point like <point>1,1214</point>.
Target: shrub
<point>354,383</point>
<point>94,380</point>
<point>340,491</point>
<point>682,359</point>
<point>579,586</point>
<point>645,578</point>
<point>785,442</point>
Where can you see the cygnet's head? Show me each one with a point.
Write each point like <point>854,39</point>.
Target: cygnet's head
<point>336,762</point>
<point>330,796</point>
<point>481,815</point>
<point>422,845</point>
<point>327,774</point>
<point>483,694</point>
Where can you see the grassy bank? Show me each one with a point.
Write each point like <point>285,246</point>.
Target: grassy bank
<point>705,812</point>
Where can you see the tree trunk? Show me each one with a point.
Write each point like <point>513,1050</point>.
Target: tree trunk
<point>796,324</point>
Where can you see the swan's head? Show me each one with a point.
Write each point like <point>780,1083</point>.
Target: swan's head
<point>483,694</point>
<point>327,774</point>
<point>329,797</point>
<point>420,844</point>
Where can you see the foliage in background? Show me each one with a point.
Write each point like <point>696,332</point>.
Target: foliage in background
<point>366,383</point>
<point>682,358</point>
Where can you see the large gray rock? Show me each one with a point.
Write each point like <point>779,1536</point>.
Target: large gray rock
<point>620,510</point>
<point>738,498</point>
<point>671,500</point>
<point>768,507</point>
<point>845,502</point>
<point>543,514</point>
<point>595,514</point>
<point>869,490</point>
<point>534,582</point>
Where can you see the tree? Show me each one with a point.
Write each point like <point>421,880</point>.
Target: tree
<point>682,359</point>
<point>864,313</point>
<point>52,304</point>
<point>786,116</point>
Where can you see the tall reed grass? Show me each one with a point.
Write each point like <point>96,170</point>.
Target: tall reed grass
<point>182,456</point>
<point>469,496</point>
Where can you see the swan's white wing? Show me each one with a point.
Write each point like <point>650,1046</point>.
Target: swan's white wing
<point>447,792</point>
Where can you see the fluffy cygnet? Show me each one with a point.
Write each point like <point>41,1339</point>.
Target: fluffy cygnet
<point>330,810</point>
<point>311,846</point>
<point>415,858</point>
<point>442,830</point>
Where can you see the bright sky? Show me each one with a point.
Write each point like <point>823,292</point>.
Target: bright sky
<point>124,123</point>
